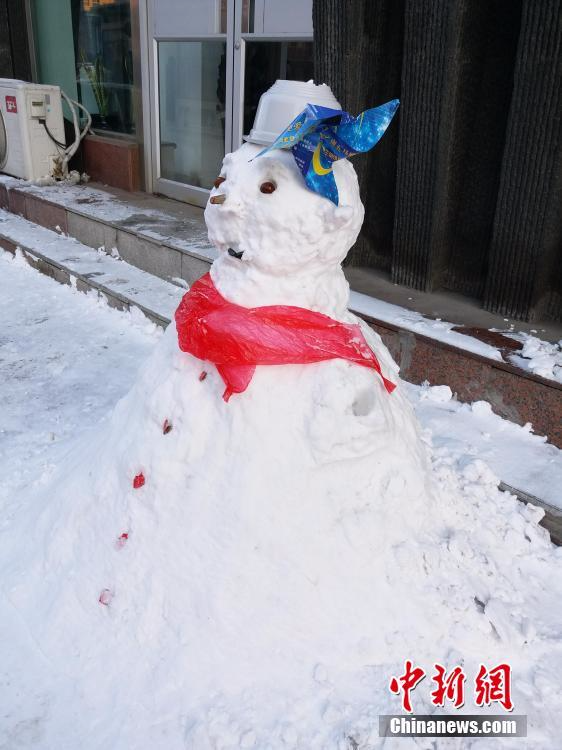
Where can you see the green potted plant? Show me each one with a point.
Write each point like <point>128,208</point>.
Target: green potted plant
<point>96,76</point>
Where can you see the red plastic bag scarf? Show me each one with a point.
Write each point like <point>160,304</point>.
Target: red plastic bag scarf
<point>237,339</point>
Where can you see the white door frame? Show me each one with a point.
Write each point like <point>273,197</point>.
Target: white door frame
<point>189,193</point>
<point>234,96</point>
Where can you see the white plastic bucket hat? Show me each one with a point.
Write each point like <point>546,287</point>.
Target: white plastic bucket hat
<point>281,103</point>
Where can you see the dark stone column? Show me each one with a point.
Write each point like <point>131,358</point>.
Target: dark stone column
<point>525,253</point>
<point>456,62</point>
<point>465,193</point>
<point>357,51</point>
<point>422,140</point>
<point>457,73</point>
<point>484,59</point>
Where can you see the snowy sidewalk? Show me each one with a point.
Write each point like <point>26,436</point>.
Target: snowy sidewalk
<point>123,284</point>
<point>66,358</point>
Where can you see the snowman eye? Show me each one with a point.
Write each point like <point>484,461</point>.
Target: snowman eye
<point>218,182</point>
<point>268,187</point>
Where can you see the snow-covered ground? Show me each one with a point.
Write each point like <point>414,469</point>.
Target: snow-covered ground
<point>100,269</point>
<point>66,358</point>
<point>463,432</point>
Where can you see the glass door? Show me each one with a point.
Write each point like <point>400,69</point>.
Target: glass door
<point>191,94</point>
<point>210,61</point>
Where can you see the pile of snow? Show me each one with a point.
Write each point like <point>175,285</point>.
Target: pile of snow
<point>538,356</point>
<point>467,431</point>
<point>253,576</point>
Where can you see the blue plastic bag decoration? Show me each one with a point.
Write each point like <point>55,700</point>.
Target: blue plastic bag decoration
<point>319,136</point>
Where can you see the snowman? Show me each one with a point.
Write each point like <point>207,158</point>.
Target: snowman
<point>249,547</point>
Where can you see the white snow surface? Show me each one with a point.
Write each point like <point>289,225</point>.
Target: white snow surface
<point>465,432</point>
<point>441,330</point>
<point>288,550</point>
<point>538,356</point>
<point>96,266</point>
<point>104,206</point>
<point>65,359</point>
<point>95,202</point>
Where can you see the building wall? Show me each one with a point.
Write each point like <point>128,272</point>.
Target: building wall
<point>14,48</point>
<point>463,193</point>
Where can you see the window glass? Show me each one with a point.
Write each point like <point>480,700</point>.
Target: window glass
<point>93,58</point>
<point>104,60</point>
<point>268,61</point>
<point>276,17</point>
<point>192,81</point>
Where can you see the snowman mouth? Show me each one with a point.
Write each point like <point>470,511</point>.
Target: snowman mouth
<point>235,253</point>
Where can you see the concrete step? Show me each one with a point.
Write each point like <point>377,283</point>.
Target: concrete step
<point>125,287</point>
<point>70,262</point>
<point>162,237</point>
<point>168,239</point>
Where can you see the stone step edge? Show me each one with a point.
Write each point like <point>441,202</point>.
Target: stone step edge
<point>64,275</point>
<point>552,520</point>
<point>60,210</point>
<point>355,304</point>
<point>514,394</point>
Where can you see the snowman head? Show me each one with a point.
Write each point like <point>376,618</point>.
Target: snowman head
<point>262,214</point>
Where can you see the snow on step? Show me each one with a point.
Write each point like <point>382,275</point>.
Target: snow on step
<point>122,212</point>
<point>441,330</point>
<point>95,267</point>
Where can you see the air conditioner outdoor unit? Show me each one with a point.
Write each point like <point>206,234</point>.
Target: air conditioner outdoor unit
<point>28,113</point>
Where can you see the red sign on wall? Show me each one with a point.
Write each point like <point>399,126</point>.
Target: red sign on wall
<point>11,104</point>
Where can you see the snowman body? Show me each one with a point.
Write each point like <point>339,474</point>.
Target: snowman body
<point>284,551</point>
<point>260,482</point>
